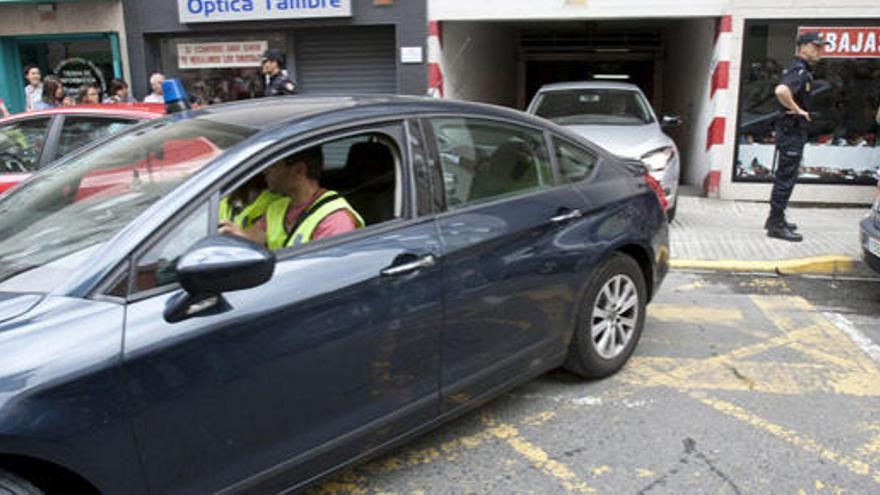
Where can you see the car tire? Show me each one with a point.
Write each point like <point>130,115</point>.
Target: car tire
<point>11,484</point>
<point>610,322</point>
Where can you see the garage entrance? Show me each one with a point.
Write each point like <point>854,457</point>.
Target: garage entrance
<point>669,59</point>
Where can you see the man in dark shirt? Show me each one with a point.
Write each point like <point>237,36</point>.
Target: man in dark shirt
<point>794,94</point>
<point>277,82</point>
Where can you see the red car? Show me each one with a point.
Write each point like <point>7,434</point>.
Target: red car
<point>30,141</point>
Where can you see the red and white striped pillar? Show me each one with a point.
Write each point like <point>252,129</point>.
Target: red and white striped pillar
<point>435,53</point>
<point>719,96</point>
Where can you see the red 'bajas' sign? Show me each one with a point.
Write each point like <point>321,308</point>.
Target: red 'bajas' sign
<point>848,42</point>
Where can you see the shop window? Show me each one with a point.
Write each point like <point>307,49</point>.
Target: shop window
<point>218,69</point>
<point>843,137</point>
<point>76,61</point>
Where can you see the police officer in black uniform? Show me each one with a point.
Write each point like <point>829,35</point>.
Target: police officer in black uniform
<point>277,82</point>
<point>794,94</point>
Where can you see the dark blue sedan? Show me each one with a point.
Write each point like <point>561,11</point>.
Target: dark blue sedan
<point>142,352</point>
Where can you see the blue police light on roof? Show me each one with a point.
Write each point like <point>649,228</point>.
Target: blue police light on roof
<point>175,96</point>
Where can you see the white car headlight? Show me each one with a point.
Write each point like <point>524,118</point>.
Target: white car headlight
<point>659,159</point>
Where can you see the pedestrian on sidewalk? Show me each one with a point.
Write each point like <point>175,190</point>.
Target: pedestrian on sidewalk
<point>33,91</point>
<point>794,94</point>
<point>277,81</point>
<point>156,88</point>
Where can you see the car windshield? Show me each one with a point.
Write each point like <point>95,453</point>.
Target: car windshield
<point>50,224</point>
<point>594,107</point>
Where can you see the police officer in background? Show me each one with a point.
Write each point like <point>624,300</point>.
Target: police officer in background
<point>794,94</point>
<point>277,82</point>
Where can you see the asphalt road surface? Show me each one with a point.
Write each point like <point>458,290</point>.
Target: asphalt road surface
<point>740,384</point>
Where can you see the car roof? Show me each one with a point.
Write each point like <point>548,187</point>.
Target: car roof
<point>589,85</point>
<point>268,113</point>
<point>132,110</point>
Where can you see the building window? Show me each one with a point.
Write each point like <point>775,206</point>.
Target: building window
<point>843,137</point>
<point>217,69</point>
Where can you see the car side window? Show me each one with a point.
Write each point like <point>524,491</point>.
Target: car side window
<point>156,267</point>
<point>21,144</point>
<point>483,160</point>
<point>78,131</point>
<point>575,164</point>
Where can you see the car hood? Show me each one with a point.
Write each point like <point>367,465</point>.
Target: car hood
<point>14,304</point>
<point>630,141</point>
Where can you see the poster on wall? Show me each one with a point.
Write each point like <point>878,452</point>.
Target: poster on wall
<point>76,72</point>
<point>848,42</point>
<point>220,55</point>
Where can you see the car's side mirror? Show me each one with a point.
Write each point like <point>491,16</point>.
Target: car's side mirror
<point>214,265</point>
<point>670,121</point>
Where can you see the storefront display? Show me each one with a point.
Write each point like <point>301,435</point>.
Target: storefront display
<point>217,69</point>
<point>76,60</point>
<point>843,136</point>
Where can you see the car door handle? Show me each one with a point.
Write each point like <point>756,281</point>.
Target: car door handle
<point>423,262</point>
<point>568,216</point>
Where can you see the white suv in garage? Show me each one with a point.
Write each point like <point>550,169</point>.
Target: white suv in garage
<point>617,117</point>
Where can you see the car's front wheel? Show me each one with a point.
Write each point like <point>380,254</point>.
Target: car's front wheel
<point>11,484</point>
<point>611,319</point>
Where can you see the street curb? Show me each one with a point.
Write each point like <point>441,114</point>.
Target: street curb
<point>817,265</point>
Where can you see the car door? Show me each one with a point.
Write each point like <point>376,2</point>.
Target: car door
<point>336,355</point>
<point>508,278</point>
<point>21,148</point>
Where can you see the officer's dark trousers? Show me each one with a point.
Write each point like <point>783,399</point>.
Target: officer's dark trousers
<point>790,142</point>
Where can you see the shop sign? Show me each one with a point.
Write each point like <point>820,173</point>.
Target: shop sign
<point>76,72</point>
<point>259,10</point>
<point>220,55</point>
<point>848,42</point>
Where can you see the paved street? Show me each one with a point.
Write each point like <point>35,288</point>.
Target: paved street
<point>741,384</point>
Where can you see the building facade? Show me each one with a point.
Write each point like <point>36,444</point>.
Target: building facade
<point>330,46</point>
<point>713,62</point>
<point>80,42</point>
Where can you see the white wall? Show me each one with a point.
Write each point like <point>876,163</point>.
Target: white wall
<point>93,16</point>
<point>479,62</point>
<point>689,46</point>
<point>441,10</point>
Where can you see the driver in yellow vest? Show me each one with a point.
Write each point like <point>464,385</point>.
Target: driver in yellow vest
<point>248,204</point>
<point>306,212</point>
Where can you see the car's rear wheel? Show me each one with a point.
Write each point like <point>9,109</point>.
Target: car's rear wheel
<point>611,319</point>
<point>11,484</point>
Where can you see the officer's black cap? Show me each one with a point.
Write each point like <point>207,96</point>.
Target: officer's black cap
<point>811,37</point>
<point>273,54</point>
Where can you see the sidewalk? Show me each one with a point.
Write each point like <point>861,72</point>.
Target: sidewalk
<point>729,235</point>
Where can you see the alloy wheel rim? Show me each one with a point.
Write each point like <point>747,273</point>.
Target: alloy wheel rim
<point>614,316</point>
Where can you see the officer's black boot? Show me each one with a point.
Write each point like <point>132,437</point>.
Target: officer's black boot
<point>777,228</point>
<point>788,225</point>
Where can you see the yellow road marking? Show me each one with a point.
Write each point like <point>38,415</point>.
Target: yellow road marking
<point>730,317</point>
<point>787,435</point>
<point>537,456</point>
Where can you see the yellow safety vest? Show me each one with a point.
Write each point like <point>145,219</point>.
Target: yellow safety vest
<point>277,235</point>
<point>250,213</point>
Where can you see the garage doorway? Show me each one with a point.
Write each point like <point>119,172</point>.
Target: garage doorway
<point>541,70</point>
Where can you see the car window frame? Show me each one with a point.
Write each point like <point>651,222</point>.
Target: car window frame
<point>439,185</point>
<point>553,137</point>
<point>242,172</point>
<point>48,134</point>
<point>61,120</point>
